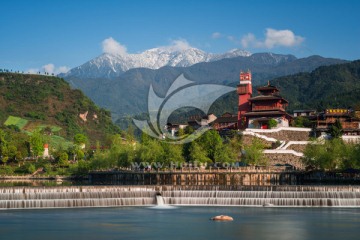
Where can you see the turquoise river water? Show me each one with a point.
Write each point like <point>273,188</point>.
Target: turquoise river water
<point>181,223</point>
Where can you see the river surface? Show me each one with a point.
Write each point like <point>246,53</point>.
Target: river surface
<point>181,223</point>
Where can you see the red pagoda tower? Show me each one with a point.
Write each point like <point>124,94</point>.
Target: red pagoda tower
<point>256,112</point>
<point>244,90</point>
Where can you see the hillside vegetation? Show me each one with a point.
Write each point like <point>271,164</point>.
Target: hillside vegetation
<point>31,102</point>
<point>326,87</point>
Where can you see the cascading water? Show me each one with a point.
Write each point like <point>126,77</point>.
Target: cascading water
<point>68,197</point>
<point>106,196</point>
<point>263,198</point>
<point>159,200</point>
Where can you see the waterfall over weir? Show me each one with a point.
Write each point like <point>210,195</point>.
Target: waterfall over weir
<point>110,196</point>
<point>68,197</point>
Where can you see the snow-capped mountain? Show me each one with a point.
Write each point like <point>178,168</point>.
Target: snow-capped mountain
<point>109,65</point>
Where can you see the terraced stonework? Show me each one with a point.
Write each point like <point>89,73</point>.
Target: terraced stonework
<point>281,158</point>
<point>288,135</point>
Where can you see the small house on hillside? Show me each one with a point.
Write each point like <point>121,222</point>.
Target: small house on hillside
<point>304,113</point>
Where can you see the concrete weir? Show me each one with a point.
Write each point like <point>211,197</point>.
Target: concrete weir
<point>115,196</point>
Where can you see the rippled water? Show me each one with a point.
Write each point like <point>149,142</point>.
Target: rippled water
<point>181,223</point>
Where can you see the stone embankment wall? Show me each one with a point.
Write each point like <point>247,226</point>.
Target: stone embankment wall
<point>288,135</point>
<point>281,158</point>
<point>297,147</point>
<point>247,140</point>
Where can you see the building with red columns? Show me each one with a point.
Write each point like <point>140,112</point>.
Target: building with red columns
<point>257,111</point>
<point>244,90</point>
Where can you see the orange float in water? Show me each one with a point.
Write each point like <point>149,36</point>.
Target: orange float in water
<point>222,218</point>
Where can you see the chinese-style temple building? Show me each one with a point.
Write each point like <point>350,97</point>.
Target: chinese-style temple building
<point>227,121</point>
<point>257,111</point>
<point>349,119</point>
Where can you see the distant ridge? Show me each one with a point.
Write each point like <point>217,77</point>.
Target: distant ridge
<point>127,93</point>
<point>110,65</point>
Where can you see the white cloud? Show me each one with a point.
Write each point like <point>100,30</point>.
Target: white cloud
<point>32,70</point>
<point>216,35</point>
<point>111,46</point>
<point>284,38</point>
<point>63,69</point>
<point>178,45</point>
<point>49,68</point>
<point>248,39</point>
<point>231,39</point>
<point>273,38</point>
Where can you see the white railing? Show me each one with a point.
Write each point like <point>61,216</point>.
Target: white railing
<point>270,139</point>
<point>353,139</point>
<point>297,129</point>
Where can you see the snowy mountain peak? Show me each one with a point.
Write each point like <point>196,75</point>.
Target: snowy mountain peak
<point>110,65</point>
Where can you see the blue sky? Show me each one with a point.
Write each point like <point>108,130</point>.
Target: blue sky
<point>68,33</point>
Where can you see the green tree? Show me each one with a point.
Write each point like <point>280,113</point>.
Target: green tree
<point>328,155</point>
<point>151,152</point>
<point>130,133</point>
<point>63,159</point>
<point>336,129</point>
<point>181,132</point>
<point>80,139</point>
<point>272,123</point>
<point>37,143</point>
<point>123,151</point>
<point>253,154</point>
<point>82,167</point>
<point>189,130</point>
<point>3,147</point>
<point>101,160</point>
<point>80,154</point>
<point>198,154</point>
<point>353,159</point>
<point>224,154</point>
<point>172,154</point>
<point>210,141</point>
<point>235,144</point>
<point>30,168</point>
<point>302,122</point>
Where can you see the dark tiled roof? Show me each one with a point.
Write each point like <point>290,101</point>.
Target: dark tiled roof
<point>227,114</point>
<point>305,111</point>
<point>266,113</point>
<point>267,97</point>
<point>226,119</point>
<point>266,88</point>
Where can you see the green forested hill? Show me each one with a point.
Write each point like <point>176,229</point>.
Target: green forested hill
<point>36,102</point>
<point>331,86</point>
